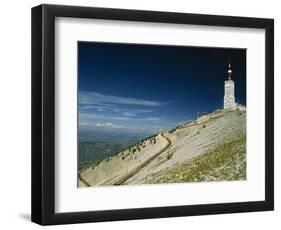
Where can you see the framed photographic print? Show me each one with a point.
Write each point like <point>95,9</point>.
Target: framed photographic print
<point>142,114</point>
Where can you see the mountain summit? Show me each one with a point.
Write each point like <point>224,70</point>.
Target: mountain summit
<point>211,148</point>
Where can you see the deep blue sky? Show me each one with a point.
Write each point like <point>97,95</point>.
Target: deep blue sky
<point>137,87</point>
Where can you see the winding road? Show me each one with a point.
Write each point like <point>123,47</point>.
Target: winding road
<point>120,179</point>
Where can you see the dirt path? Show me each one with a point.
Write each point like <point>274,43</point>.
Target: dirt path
<point>120,179</point>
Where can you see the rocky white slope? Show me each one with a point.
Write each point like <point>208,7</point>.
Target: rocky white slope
<point>213,147</point>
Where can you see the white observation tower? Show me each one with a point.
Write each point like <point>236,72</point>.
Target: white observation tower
<point>229,97</point>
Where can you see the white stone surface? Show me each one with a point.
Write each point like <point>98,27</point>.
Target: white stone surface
<point>229,96</point>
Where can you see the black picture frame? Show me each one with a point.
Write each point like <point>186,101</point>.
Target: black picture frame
<point>43,114</point>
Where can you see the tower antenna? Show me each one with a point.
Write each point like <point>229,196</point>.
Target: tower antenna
<point>229,71</point>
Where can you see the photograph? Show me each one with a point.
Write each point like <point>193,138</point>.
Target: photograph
<point>140,114</point>
<point>158,114</point>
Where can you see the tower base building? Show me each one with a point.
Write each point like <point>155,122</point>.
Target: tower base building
<point>229,96</point>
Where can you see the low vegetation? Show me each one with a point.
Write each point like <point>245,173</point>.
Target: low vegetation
<point>169,156</point>
<point>226,162</point>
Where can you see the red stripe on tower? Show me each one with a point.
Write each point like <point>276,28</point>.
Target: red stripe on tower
<point>229,71</point>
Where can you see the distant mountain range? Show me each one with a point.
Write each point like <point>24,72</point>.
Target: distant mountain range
<point>96,145</point>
